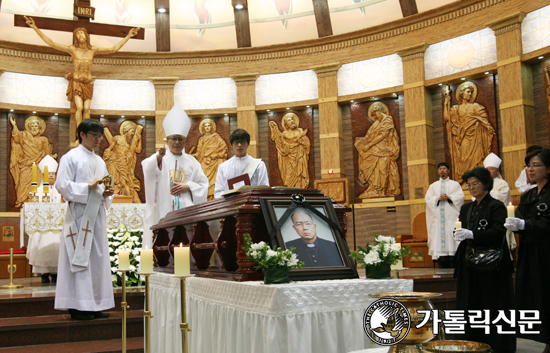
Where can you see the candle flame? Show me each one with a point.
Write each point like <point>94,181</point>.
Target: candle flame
<point>181,245</point>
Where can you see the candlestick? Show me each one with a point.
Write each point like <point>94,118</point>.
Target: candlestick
<point>147,316</point>
<point>511,210</point>
<point>123,260</point>
<point>34,179</point>
<point>458,224</point>
<point>182,264</point>
<point>11,269</point>
<point>184,326</point>
<point>146,264</point>
<point>124,306</point>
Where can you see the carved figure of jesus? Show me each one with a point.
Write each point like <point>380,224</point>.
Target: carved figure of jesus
<point>469,133</point>
<point>293,147</point>
<point>81,86</point>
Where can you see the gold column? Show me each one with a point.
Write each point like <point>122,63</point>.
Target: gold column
<point>517,106</point>
<point>246,108</point>
<point>164,101</point>
<point>418,127</point>
<point>330,121</point>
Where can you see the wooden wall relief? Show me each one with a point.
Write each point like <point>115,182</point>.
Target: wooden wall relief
<point>290,149</point>
<point>209,147</point>
<point>123,154</point>
<point>27,146</point>
<point>546,70</point>
<point>470,124</point>
<point>377,149</point>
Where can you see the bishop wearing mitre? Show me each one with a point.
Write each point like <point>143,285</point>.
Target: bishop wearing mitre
<point>173,179</point>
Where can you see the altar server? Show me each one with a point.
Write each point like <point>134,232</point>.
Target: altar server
<point>443,201</point>
<point>84,284</point>
<point>43,248</point>
<point>501,190</point>
<point>240,164</point>
<point>173,179</point>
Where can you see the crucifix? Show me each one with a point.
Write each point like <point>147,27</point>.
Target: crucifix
<point>81,86</point>
<point>86,233</point>
<point>72,236</point>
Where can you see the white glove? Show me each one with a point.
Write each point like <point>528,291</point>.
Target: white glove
<point>461,234</point>
<point>514,224</point>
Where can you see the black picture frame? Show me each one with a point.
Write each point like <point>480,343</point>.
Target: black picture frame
<point>273,209</point>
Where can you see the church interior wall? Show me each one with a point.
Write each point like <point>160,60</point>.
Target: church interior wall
<point>541,108</point>
<point>4,161</point>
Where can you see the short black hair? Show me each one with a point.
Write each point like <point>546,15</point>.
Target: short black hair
<point>543,154</point>
<point>300,211</point>
<point>88,125</point>
<point>482,174</point>
<point>531,149</point>
<point>239,135</point>
<point>444,164</point>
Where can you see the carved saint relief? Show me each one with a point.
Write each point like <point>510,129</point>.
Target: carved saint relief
<point>211,151</point>
<point>379,151</point>
<point>27,147</point>
<point>120,158</point>
<point>293,148</point>
<point>469,133</point>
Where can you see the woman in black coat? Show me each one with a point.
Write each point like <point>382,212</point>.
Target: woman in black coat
<point>483,226</point>
<point>532,222</point>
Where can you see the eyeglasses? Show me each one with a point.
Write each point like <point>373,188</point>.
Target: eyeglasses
<point>473,185</point>
<point>96,135</point>
<point>177,139</point>
<point>533,166</point>
<point>302,224</point>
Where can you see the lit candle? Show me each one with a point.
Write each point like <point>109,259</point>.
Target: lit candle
<point>46,180</point>
<point>34,179</point>
<point>182,264</point>
<point>146,265</point>
<point>511,210</point>
<point>458,224</point>
<point>123,260</point>
<point>399,264</point>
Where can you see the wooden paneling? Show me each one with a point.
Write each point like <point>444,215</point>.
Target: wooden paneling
<point>162,26</point>
<point>242,26</point>
<point>4,166</point>
<point>322,18</point>
<point>246,108</point>
<point>164,101</point>
<point>263,138</point>
<point>408,7</point>
<point>150,137</point>
<point>541,106</point>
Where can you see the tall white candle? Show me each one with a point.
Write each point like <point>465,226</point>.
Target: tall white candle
<point>458,224</point>
<point>123,260</point>
<point>146,264</point>
<point>399,264</point>
<point>182,264</point>
<point>511,210</point>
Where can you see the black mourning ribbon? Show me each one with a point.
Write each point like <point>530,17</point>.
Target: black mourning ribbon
<point>300,200</point>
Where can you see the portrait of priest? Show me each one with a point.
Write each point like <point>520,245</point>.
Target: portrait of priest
<point>172,178</point>
<point>241,163</point>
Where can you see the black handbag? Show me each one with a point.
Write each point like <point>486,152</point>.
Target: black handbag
<point>483,258</point>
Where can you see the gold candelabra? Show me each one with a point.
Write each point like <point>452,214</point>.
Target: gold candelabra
<point>124,306</point>
<point>34,197</point>
<point>11,269</point>
<point>184,326</point>
<point>147,314</point>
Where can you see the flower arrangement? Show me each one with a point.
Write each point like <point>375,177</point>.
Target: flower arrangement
<point>384,253</point>
<point>130,240</point>
<point>266,258</point>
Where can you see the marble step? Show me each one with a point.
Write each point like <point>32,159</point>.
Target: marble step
<point>56,329</point>
<point>133,345</point>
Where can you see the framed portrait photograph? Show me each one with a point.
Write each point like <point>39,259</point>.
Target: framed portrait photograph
<point>317,241</point>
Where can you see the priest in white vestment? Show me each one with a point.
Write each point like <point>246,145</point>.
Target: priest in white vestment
<point>84,283</point>
<point>443,201</point>
<point>173,179</point>
<point>43,248</point>
<point>501,190</point>
<point>239,164</point>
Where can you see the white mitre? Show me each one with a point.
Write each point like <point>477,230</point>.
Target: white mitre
<point>176,122</point>
<point>492,160</point>
<point>50,162</point>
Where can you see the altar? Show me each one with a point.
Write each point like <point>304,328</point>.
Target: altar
<point>240,317</point>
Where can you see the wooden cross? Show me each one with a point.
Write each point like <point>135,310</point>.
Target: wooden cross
<point>86,234</point>
<point>72,236</point>
<point>83,12</point>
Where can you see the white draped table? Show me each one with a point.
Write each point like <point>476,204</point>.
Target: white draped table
<point>43,223</point>
<point>241,317</point>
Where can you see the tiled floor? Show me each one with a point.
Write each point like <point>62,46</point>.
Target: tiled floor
<point>34,288</point>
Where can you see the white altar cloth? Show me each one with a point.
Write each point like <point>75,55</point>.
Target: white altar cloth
<point>241,317</point>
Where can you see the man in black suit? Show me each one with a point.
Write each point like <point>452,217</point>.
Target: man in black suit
<point>312,250</point>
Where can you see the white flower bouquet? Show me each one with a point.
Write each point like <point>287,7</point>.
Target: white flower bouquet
<point>384,252</point>
<point>130,240</point>
<point>266,258</point>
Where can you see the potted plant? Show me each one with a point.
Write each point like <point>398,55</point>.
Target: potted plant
<point>274,264</point>
<point>377,259</point>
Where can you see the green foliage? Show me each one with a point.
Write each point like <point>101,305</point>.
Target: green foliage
<point>265,257</point>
